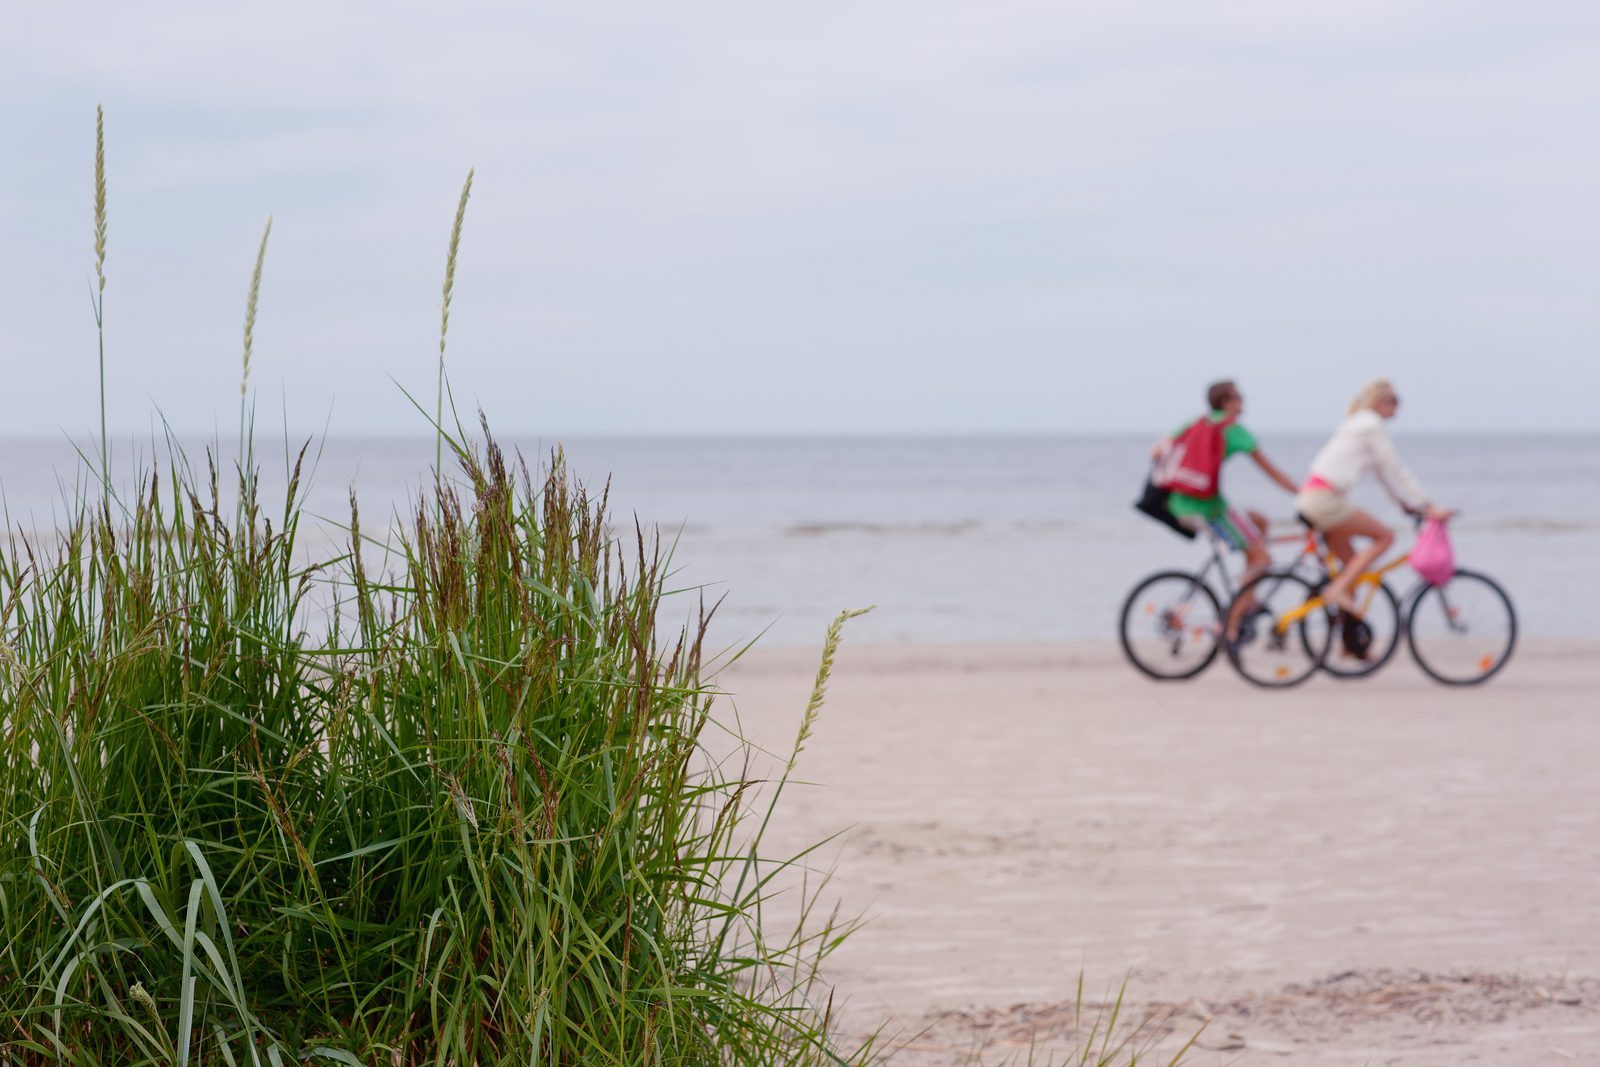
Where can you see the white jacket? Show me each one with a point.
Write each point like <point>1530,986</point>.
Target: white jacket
<point>1362,444</point>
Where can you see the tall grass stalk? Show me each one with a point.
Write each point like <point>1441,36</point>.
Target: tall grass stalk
<point>444,315</point>
<point>252,300</point>
<point>98,297</point>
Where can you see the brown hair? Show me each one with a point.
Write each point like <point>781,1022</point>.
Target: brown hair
<point>1219,393</point>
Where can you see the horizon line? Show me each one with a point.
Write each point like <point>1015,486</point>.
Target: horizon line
<point>277,434</point>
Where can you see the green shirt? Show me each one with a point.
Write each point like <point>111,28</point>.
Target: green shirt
<point>1235,439</point>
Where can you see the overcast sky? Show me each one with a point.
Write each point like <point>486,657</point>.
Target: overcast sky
<point>895,215</point>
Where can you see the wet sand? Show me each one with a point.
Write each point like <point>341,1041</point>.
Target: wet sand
<point>1386,871</point>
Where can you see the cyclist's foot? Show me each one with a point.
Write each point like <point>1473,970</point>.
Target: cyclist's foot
<point>1341,599</point>
<point>1244,628</point>
<point>1355,637</point>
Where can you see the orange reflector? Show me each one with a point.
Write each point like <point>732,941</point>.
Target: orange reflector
<point>1283,672</point>
<point>1486,662</point>
<point>1149,609</point>
<point>1199,632</point>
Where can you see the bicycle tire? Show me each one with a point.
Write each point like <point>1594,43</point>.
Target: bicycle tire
<point>1370,666</point>
<point>1129,605</point>
<point>1279,675</point>
<point>1495,663</point>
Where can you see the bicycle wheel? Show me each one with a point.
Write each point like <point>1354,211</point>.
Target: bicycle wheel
<point>1354,652</point>
<point>1462,632</point>
<point>1280,642</point>
<point>1170,625</point>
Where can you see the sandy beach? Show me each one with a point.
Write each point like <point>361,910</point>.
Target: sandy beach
<point>1344,873</point>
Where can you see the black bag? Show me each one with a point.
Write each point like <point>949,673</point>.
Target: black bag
<point>1154,504</point>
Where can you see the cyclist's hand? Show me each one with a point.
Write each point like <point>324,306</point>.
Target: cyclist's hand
<point>1433,511</point>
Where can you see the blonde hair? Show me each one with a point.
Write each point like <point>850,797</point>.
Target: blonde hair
<point>1370,394</point>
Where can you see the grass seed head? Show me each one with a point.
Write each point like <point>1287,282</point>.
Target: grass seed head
<point>100,196</point>
<point>819,689</point>
<point>250,308</point>
<point>450,262</point>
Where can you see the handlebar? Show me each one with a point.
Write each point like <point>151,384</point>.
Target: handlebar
<point>1418,516</point>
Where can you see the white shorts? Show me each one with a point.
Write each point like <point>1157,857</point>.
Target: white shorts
<point>1324,508</point>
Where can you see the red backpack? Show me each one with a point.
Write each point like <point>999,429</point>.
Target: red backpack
<point>1193,465</point>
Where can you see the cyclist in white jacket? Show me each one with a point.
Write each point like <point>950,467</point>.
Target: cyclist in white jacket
<point>1360,444</point>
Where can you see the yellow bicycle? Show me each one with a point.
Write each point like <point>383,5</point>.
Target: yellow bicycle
<point>1461,632</point>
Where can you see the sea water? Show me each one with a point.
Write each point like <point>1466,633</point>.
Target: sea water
<point>955,539</point>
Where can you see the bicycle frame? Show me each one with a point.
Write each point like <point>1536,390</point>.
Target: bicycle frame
<point>1372,579</point>
<point>1218,560</point>
<point>1368,582</point>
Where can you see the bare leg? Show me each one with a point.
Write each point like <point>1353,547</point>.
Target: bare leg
<point>1256,562</point>
<point>1341,540</point>
<point>1340,544</point>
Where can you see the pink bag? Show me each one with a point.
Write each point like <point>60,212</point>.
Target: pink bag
<point>1432,557</point>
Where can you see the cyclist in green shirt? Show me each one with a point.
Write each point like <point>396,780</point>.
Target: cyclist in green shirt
<point>1243,532</point>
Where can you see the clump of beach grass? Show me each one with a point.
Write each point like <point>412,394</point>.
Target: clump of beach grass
<point>435,798</point>
<point>474,824</point>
